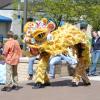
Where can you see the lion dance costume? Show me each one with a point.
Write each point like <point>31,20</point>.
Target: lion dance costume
<point>63,37</point>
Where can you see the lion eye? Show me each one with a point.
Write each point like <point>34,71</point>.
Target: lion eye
<point>41,35</point>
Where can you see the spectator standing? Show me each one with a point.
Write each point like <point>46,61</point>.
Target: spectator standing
<point>95,53</point>
<point>12,53</point>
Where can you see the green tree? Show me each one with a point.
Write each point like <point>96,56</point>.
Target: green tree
<point>71,10</point>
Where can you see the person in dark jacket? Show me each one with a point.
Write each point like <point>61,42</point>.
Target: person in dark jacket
<point>95,53</point>
<point>1,48</point>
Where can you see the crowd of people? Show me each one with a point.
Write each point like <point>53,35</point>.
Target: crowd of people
<point>12,52</point>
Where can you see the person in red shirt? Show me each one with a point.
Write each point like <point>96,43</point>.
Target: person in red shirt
<point>12,53</point>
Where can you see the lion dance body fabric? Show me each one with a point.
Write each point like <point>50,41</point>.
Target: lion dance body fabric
<point>63,37</point>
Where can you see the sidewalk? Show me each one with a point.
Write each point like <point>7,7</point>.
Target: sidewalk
<point>60,89</point>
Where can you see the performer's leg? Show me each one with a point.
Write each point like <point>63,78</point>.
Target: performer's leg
<point>41,77</point>
<point>80,72</point>
<point>85,79</point>
<point>47,82</point>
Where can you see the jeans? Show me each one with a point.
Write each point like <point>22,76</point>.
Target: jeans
<point>69,59</point>
<point>53,61</point>
<point>30,66</point>
<point>57,60</point>
<point>95,58</point>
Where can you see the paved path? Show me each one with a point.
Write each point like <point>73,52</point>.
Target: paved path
<point>59,90</point>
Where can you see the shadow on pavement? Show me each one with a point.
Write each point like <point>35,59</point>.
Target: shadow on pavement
<point>20,87</point>
<point>31,83</point>
<point>64,83</point>
<point>59,83</point>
